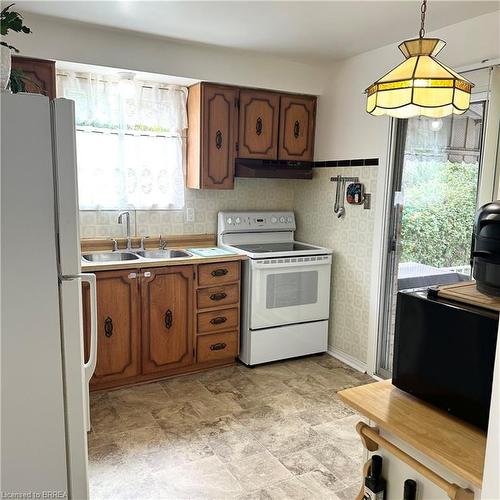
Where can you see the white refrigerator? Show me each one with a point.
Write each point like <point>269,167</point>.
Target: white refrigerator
<point>44,379</point>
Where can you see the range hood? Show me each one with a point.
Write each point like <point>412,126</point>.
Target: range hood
<point>273,169</point>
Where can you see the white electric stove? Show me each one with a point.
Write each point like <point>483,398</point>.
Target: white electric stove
<point>285,286</point>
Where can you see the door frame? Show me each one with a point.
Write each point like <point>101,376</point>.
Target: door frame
<point>383,216</point>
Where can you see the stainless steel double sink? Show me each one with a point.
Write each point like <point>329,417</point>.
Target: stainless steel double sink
<point>121,256</point>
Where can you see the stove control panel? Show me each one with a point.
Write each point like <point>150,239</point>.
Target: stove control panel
<point>230,222</point>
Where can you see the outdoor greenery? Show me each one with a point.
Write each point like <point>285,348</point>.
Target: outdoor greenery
<point>439,208</point>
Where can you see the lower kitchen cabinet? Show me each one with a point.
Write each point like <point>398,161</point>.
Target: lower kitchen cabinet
<point>118,325</point>
<point>167,319</point>
<point>163,321</point>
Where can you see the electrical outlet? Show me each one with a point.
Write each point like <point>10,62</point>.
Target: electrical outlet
<point>189,214</point>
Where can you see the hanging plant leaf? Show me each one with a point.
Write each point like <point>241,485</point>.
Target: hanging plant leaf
<point>11,21</point>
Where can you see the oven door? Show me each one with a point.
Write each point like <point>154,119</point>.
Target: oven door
<point>289,290</point>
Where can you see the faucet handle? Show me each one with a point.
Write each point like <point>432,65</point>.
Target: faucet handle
<point>142,241</point>
<point>115,244</point>
<point>163,243</point>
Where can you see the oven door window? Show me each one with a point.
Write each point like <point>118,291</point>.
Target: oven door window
<point>287,293</point>
<point>291,289</point>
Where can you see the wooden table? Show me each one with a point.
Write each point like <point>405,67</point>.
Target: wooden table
<point>451,442</point>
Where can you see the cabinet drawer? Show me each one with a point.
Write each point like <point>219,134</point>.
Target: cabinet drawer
<point>217,273</point>
<point>217,346</point>
<point>222,319</point>
<point>218,296</point>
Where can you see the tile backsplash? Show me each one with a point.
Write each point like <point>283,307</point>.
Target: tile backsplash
<point>248,194</point>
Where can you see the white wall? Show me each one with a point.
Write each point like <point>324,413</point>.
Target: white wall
<point>84,43</point>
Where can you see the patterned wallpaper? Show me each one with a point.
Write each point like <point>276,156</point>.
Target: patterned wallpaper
<point>249,194</point>
<point>351,239</point>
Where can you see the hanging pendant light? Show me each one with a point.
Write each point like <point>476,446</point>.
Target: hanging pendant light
<point>421,85</point>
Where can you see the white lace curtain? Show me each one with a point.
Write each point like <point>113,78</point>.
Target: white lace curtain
<point>129,141</point>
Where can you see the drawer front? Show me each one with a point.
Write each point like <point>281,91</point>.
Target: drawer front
<point>217,346</point>
<point>218,296</point>
<point>220,272</point>
<point>222,319</point>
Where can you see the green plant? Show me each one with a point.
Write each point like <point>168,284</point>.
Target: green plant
<point>11,21</point>
<point>440,203</point>
<point>18,80</point>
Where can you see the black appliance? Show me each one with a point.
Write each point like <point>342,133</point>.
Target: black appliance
<point>486,249</point>
<point>444,353</point>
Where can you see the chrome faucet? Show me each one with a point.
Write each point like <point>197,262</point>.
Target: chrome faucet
<point>143,239</point>
<point>126,215</point>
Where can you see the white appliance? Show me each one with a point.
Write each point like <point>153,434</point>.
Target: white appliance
<point>285,286</point>
<point>44,400</point>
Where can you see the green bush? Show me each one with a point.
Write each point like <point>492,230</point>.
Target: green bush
<point>440,203</point>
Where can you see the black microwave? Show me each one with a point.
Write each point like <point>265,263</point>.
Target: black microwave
<point>444,353</point>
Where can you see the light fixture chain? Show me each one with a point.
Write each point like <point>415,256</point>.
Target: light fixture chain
<point>423,10</point>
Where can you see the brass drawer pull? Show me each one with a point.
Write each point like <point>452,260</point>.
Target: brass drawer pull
<point>108,327</point>
<point>218,320</point>
<point>169,319</point>
<point>218,296</point>
<point>218,346</point>
<point>219,272</point>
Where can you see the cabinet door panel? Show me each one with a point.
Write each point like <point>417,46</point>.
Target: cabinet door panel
<point>118,327</point>
<point>167,318</point>
<point>218,138</point>
<point>297,121</point>
<point>259,119</point>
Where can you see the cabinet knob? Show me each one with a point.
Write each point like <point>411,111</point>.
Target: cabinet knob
<point>108,327</point>
<point>218,346</point>
<point>296,129</point>
<point>218,320</point>
<point>258,126</point>
<point>218,139</point>
<point>132,276</point>
<point>218,296</point>
<point>168,319</point>
<point>147,274</point>
<point>219,272</point>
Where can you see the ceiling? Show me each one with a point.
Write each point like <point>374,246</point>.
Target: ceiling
<point>300,30</point>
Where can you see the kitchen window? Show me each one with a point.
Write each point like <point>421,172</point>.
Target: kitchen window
<point>129,141</point>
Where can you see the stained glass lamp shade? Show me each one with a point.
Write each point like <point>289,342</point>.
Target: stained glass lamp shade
<point>421,85</point>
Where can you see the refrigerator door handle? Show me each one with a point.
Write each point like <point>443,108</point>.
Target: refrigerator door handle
<point>90,278</point>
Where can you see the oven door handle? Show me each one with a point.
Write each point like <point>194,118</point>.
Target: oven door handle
<point>283,265</point>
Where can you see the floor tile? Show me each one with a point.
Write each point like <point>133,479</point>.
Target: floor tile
<point>258,471</point>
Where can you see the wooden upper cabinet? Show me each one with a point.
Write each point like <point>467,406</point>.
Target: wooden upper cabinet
<point>118,326</point>
<point>258,124</point>
<point>167,318</point>
<point>297,122</point>
<point>211,136</point>
<point>40,71</point>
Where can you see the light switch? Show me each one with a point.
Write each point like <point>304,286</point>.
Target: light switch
<point>189,214</point>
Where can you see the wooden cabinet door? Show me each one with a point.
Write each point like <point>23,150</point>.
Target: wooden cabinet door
<point>167,318</point>
<point>217,136</point>
<point>259,120</point>
<point>118,326</point>
<point>41,72</point>
<point>297,122</point>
